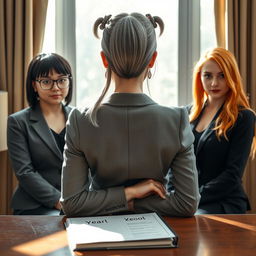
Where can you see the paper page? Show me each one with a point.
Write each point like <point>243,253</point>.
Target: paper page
<point>118,228</point>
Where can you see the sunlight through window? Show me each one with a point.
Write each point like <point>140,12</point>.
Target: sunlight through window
<point>90,71</point>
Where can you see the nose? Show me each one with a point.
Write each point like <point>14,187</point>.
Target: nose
<point>55,85</point>
<point>214,82</point>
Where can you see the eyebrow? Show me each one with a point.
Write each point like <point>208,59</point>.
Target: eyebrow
<point>208,72</point>
<point>59,76</point>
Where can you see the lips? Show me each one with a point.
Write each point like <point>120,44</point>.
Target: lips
<point>56,96</point>
<point>215,91</point>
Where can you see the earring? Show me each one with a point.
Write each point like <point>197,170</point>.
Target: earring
<point>149,74</point>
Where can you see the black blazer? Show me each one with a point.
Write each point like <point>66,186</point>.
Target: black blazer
<point>221,163</point>
<point>35,158</point>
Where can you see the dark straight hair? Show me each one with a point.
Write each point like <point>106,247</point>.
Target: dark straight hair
<point>42,65</point>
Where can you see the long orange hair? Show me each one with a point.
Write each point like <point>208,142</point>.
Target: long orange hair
<point>236,98</point>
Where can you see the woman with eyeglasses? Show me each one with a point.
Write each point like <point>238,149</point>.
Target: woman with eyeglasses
<point>36,136</point>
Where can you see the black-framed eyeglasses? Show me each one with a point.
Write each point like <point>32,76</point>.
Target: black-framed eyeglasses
<point>47,83</point>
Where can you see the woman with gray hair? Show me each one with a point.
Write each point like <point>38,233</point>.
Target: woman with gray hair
<point>119,154</point>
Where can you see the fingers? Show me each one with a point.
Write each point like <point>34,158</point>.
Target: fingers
<point>158,188</point>
<point>144,189</point>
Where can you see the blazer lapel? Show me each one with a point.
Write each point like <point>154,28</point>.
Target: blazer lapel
<point>40,126</point>
<point>207,132</point>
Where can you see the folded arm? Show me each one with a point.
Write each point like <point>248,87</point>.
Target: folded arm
<point>183,201</point>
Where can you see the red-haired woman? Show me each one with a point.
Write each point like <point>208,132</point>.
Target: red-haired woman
<point>224,128</point>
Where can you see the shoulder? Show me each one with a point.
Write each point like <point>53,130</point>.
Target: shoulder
<point>188,107</point>
<point>20,119</point>
<point>77,113</point>
<point>246,115</point>
<point>77,121</point>
<point>174,116</point>
<point>245,122</point>
<point>173,111</point>
<point>169,110</point>
<point>22,114</point>
<point>68,108</point>
<point>80,111</point>
<point>178,122</point>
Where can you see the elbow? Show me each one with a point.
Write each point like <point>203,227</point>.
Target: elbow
<point>194,205</point>
<point>69,207</point>
<point>189,208</point>
<point>75,207</point>
<point>65,208</point>
<point>188,211</point>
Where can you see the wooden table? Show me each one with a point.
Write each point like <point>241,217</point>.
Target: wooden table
<point>202,235</point>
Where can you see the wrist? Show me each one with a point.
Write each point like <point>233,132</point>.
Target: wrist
<point>58,205</point>
<point>128,194</point>
<point>131,205</point>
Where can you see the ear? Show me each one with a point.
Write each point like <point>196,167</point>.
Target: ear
<point>34,86</point>
<point>152,61</point>
<point>104,59</point>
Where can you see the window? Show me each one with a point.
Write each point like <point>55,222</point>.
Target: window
<point>207,25</point>
<point>90,71</point>
<point>189,30</point>
<point>49,35</point>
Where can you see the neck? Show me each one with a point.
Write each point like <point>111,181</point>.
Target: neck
<point>132,85</point>
<point>50,109</point>
<point>215,103</point>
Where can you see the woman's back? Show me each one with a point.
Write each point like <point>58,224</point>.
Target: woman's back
<point>135,136</point>
<point>118,153</point>
<point>137,139</point>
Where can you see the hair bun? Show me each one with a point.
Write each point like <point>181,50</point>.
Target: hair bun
<point>152,20</point>
<point>105,21</point>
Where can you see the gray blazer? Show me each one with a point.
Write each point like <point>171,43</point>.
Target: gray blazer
<point>35,158</point>
<point>136,139</point>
